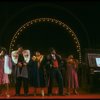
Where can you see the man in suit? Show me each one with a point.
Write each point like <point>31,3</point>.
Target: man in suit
<point>53,62</point>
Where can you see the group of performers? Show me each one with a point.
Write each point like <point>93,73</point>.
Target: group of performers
<point>38,71</point>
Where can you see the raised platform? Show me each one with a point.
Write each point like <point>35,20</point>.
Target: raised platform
<point>81,95</point>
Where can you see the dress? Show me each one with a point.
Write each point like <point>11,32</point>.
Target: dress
<point>37,74</point>
<point>1,70</point>
<point>71,74</point>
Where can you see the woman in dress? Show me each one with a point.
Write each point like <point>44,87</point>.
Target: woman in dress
<point>71,73</point>
<point>1,70</point>
<point>5,69</point>
<point>37,74</point>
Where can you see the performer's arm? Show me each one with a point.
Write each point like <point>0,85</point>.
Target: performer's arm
<point>14,57</point>
<point>27,56</point>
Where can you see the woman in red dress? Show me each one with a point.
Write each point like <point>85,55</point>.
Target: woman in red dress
<point>1,71</point>
<point>71,73</point>
<point>5,70</point>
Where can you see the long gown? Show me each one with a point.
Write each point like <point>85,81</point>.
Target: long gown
<point>71,74</point>
<point>1,70</point>
<point>36,75</point>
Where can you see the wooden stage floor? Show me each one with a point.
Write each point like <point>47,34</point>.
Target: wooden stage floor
<point>81,95</point>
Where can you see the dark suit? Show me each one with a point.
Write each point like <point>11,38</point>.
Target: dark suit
<point>54,72</point>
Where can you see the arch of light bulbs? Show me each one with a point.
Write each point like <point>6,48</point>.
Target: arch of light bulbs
<point>51,20</point>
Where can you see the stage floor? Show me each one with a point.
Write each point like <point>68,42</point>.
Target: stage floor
<point>82,95</point>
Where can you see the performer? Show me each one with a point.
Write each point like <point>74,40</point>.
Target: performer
<point>37,72</point>
<point>21,59</point>
<point>53,62</point>
<point>1,70</point>
<point>71,73</point>
<point>5,69</point>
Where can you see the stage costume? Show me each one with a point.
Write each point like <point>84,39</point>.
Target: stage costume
<point>21,61</point>
<point>1,70</point>
<point>71,74</point>
<point>53,63</point>
<point>37,72</point>
<point>7,68</point>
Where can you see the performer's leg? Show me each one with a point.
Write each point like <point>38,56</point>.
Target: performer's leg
<point>25,83</point>
<point>7,92</point>
<point>18,85</point>
<point>60,81</point>
<point>1,88</point>
<point>35,91</point>
<point>42,91</point>
<point>51,77</point>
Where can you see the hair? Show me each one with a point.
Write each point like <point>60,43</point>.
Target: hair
<point>19,46</point>
<point>3,49</point>
<point>51,49</point>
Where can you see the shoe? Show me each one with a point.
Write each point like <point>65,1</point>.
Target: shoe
<point>75,92</point>
<point>8,96</point>
<point>42,93</point>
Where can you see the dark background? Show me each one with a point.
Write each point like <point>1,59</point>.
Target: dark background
<point>83,17</point>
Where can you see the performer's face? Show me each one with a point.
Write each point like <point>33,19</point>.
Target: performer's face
<point>53,52</point>
<point>2,52</point>
<point>33,58</point>
<point>37,53</point>
<point>71,57</point>
<point>20,49</point>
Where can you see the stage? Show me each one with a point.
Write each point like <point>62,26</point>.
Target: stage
<point>82,95</point>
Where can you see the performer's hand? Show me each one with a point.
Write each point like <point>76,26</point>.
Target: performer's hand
<point>24,64</point>
<point>20,64</point>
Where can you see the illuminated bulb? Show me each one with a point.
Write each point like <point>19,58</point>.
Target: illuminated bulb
<point>77,50</point>
<point>63,25</point>
<point>48,20</point>
<point>35,21</point>
<point>18,33</point>
<point>59,23</point>
<point>12,45</point>
<point>15,36</point>
<point>27,24</point>
<point>72,34</point>
<point>51,20</point>
<point>67,28</point>
<point>43,20</point>
<point>39,20</point>
<point>24,27</point>
<point>70,31</point>
<point>56,21</point>
<point>14,41</point>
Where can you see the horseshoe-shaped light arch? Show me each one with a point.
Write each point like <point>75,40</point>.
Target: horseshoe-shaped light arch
<point>51,20</point>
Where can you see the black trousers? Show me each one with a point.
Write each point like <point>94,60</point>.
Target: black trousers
<point>19,81</point>
<point>55,73</point>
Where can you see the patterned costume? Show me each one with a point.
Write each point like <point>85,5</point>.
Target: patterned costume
<point>71,73</point>
<point>21,69</point>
